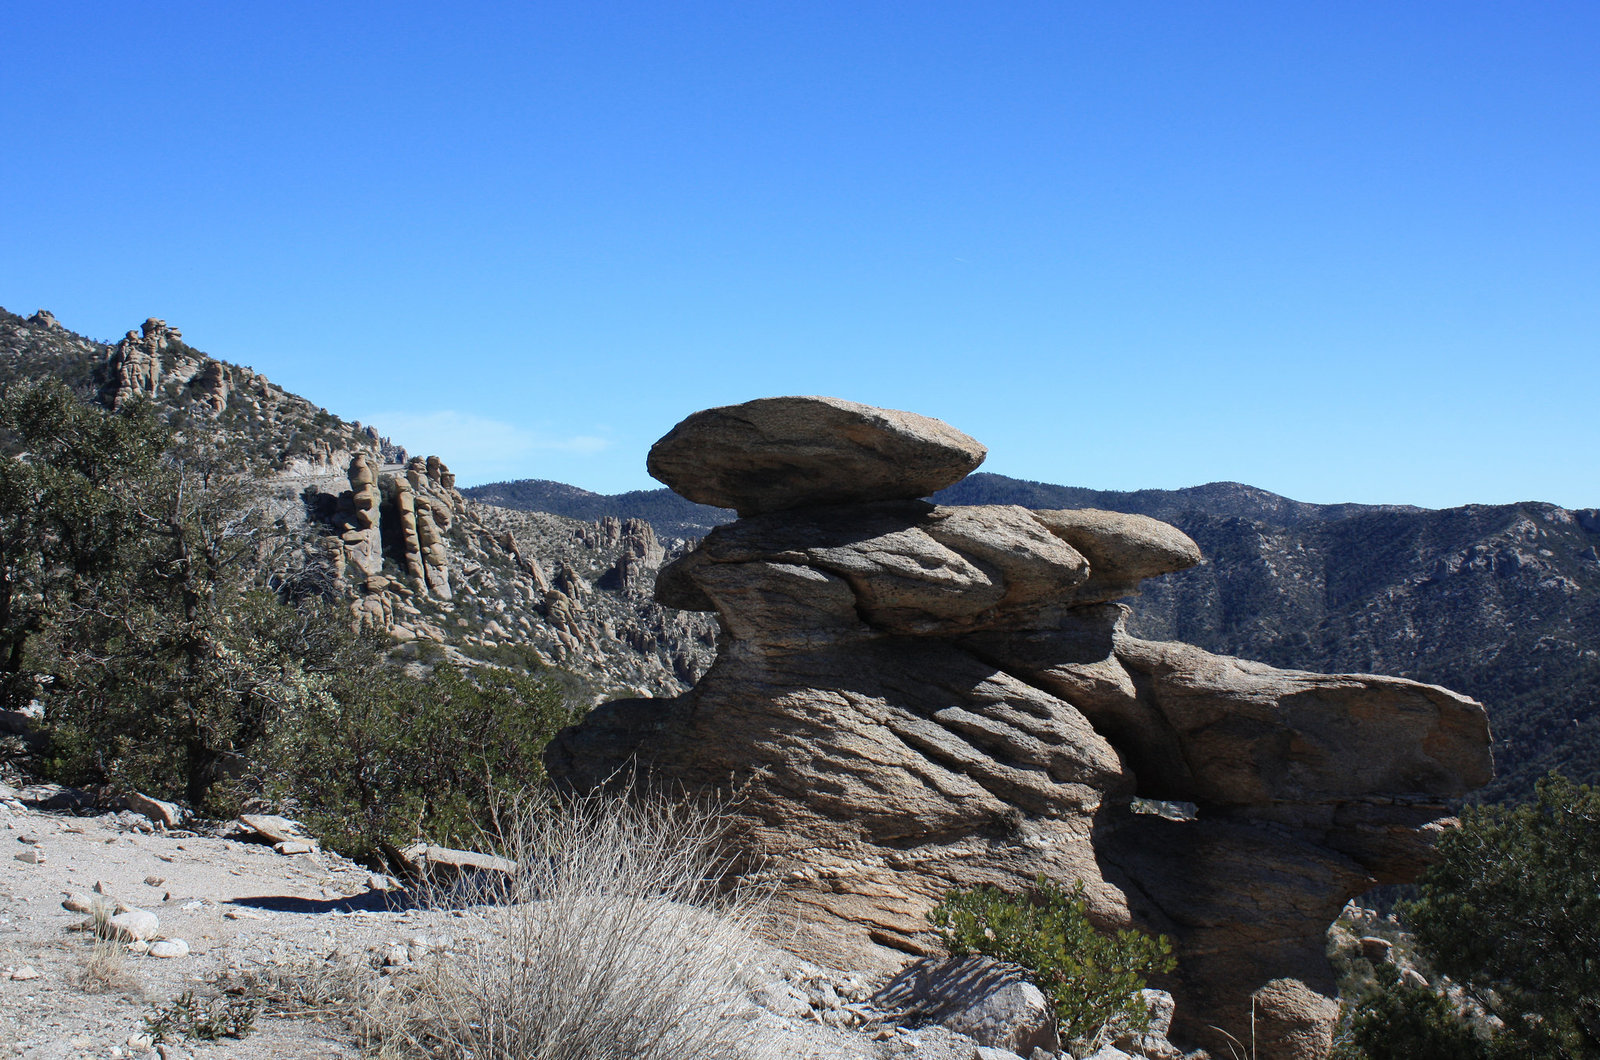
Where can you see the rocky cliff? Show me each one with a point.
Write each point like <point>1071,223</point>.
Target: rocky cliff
<point>391,535</point>
<point>911,697</point>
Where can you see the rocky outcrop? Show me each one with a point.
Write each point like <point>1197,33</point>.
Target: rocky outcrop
<point>418,561</point>
<point>910,698</point>
<point>139,362</point>
<point>335,532</point>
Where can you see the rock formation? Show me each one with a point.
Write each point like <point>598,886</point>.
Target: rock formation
<point>910,698</point>
<point>139,361</point>
<point>418,561</point>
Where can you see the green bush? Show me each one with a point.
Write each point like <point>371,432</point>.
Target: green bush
<point>1400,1021</point>
<point>1510,912</point>
<point>384,758</point>
<point>207,1019</point>
<point>1093,977</point>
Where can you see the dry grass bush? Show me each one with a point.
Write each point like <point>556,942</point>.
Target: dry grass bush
<point>617,937</point>
<point>104,969</point>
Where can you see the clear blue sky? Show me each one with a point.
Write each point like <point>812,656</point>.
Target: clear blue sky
<point>1340,250</point>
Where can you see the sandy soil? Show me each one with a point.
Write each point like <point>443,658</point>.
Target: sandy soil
<point>242,907</point>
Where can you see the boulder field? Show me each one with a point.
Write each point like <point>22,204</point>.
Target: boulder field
<point>910,698</point>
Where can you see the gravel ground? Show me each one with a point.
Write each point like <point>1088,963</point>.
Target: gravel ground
<point>242,907</point>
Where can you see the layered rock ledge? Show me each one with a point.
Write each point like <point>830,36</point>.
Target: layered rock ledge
<point>910,698</point>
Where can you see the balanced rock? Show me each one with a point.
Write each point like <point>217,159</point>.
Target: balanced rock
<point>777,453</point>
<point>910,698</point>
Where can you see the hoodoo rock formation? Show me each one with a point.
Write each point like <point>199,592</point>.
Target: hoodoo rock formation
<point>911,698</point>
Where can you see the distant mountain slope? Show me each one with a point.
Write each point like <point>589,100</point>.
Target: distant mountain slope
<point>1214,498</point>
<point>670,514</point>
<point>1501,602</point>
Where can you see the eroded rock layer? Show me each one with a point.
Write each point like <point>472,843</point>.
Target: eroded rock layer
<point>909,698</point>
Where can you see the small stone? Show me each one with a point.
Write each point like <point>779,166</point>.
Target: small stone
<point>271,828</point>
<point>425,857</point>
<point>91,904</point>
<point>294,846</point>
<point>154,881</point>
<point>132,925</point>
<point>26,972</point>
<point>140,1042</point>
<point>169,948</point>
<point>31,857</point>
<point>166,814</point>
<point>1375,949</point>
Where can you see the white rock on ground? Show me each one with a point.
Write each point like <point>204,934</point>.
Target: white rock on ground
<point>166,814</point>
<point>130,924</point>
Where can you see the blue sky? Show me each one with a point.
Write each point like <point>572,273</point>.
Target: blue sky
<point>1343,251</point>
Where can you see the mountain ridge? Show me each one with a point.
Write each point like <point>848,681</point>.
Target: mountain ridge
<point>1501,602</point>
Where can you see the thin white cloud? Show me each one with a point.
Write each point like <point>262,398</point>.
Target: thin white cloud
<point>466,441</point>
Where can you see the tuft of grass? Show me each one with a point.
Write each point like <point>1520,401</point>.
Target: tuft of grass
<point>616,936</point>
<point>104,969</point>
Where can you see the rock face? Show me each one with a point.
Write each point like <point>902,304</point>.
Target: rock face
<point>417,560</point>
<point>778,453</point>
<point>910,698</point>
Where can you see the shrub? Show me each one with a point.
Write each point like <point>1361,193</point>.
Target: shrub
<point>1401,1021</point>
<point>384,758</point>
<point>1510,911</point>
<point>1093,978</point>
<point>207,1019</point>
<point>616,938</point>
